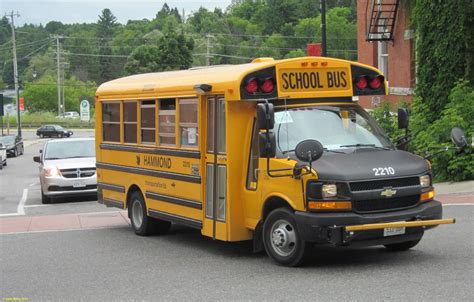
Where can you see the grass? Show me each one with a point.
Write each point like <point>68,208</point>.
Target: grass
<point>35,120</point>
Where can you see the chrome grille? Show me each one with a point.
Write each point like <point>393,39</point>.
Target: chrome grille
<point>380,184</point>
<point>78,172</point>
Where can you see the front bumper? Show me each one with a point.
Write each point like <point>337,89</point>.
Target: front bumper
<point>335,228</point>
<point>64,187</point>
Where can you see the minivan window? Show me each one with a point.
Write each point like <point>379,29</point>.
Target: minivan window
<point>70,149</point>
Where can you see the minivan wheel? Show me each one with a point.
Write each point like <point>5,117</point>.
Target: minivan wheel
<point>281,238</point>
<point>142,224</point>
<point>402,246</point>
<point>60,135</point>
<point>15,153</point>
<point>45,199</point>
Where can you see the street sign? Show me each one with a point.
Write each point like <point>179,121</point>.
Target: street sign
<point>85,110</point>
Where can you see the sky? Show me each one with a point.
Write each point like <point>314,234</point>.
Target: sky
<point>87,11</point>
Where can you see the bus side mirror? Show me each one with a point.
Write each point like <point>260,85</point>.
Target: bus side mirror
<point>265,116</point>
<point>309,150</point>
<point>267,144</point>
<point>458,138</point>
<point>403,118</point>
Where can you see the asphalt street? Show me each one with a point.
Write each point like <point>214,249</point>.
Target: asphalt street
<point>113,264</point>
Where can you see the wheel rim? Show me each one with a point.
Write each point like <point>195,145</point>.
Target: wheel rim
<point>137,214</point>
<point>283,238</point>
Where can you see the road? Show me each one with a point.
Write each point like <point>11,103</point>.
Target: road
<point>92,262</point>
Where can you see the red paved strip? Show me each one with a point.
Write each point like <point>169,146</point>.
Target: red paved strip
<point>63,222</point>
<point>465,198</point>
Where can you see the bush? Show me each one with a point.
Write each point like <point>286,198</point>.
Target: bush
<point>35,120</point>
<point>387,120</point>
<point>458,112</point>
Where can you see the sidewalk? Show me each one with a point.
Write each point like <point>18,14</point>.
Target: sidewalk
<point>27,224</point>
<point>455,192</point>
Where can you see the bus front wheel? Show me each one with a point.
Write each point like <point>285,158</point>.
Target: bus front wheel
<point>282,240</point>
<point>142,224</point>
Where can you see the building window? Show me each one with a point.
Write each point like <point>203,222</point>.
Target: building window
<point>147,114</point>
<point>167,122</point>
<point>111,122</point>
<point>188,122</point>
<point>383,58</point>
<point>130,122</point>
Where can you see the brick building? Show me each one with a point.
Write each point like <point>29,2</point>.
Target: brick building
<point>386,41</point>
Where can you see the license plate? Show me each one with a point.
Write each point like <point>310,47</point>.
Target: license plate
<point>78,185</point>
<point>393,231</point>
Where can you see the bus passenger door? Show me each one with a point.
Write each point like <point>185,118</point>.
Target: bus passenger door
<point>216,170</point>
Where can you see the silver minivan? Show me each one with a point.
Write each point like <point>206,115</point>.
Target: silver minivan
<point>67,168</point>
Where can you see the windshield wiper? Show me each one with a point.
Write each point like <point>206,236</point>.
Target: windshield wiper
<point>53,158</point>
<point>287,151</point>
<point>333,151</point>
<point>364,145</point>
<point>79,156</point>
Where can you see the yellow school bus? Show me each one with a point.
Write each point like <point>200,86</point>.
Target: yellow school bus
<point>274,151</point>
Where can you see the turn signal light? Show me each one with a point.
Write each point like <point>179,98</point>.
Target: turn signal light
<point>427,196</point>
<point>361,83</point>
<point>252,86</point>
<point>329,205</point>
<point>267,86</point>
<point>376,82</point>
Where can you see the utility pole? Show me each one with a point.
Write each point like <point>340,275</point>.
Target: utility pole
<point>57,37</point>
<point>323,28</point>
<point>15,72</point>
<point>208,49</point>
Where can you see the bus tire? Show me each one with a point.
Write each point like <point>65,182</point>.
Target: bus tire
<point>142,224</point>
<point>402,246</point>
<point>282,240</point>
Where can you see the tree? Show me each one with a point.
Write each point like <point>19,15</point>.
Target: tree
<point>106,26</point>
<point>172,52</point>
<point>443,52</point>
<point>42,95</point>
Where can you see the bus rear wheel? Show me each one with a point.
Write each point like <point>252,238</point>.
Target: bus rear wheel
<point>142,224</point>
<point>281,238</point>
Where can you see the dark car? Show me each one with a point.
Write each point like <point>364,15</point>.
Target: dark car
<point>13,144</point>
<point>53,130</point>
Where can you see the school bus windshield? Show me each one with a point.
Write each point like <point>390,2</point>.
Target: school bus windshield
<point>336,127</point>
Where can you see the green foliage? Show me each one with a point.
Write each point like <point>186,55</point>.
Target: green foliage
<point>173,51</point>
<point>36,119</point>
<point>387,119</point>
<point>106,26</point>
<point>443,53</point>
<point>42,95</point>
<point>458,112</point>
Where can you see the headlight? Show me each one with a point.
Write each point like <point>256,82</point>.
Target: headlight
<point>425,181</point>
<point>329,190</point>
<point>51,171</point>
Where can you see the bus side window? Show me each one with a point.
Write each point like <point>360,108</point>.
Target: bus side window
<point>130,122</point>
<point>148,122</point>
<point>252,177</point>
<point>111,122</point>
<point>167,122</point>
<point>188,122</point>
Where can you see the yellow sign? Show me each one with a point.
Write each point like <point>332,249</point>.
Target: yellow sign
<point>304,80</point>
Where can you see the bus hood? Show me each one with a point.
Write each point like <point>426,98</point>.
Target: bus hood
<point>364,164</point>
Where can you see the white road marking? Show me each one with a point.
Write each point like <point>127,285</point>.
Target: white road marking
<point>33,184</point>
<point>458,204</point>
<point>21,206</point>
<point>20,210</point>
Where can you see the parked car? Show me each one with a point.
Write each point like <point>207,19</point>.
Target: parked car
<point>67,168</point>
<point>53,131</point>
<point>3,156</point>
<point>13,144</point>
<point>69,114</point>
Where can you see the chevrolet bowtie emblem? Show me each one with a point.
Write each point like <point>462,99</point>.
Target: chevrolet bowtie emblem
<point>388,192</point>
